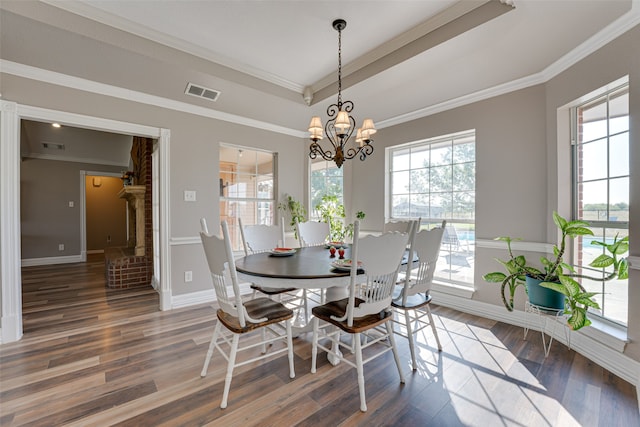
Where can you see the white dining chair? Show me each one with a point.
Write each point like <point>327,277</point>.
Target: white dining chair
<point>260,238</point>
<point>366,312</point>
<point>411,299</point>
<point>404,226</point>
<point>238,318</point>
<point>312,233</point>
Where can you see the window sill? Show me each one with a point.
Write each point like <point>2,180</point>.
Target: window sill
<point>453,289</point>
<point>613,336</point>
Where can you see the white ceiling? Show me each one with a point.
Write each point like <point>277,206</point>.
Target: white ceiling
<point>292,44</point>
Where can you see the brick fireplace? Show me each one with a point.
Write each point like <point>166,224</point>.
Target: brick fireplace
<point>132,266</point>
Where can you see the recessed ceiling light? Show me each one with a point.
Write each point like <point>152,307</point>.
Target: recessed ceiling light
<point>56,125</point>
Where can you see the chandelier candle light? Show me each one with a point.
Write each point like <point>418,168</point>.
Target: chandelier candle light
<point>341,124</point>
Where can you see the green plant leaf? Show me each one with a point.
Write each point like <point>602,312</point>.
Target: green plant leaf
<point>579,231</point>
<point>568,267</point>
<point>573,287</point>
<point>586,301</point>
<point>495,277</point>
<point>578,319</point>
<point>559,221</point>
<point>558,287</point>
<point>602,261</point>
<point>618,248</point>
<point>623,269</point>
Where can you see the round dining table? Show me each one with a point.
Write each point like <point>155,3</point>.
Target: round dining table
<point>307,268</point>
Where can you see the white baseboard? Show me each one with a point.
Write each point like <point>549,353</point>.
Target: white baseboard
<point>202,297</point>
<point>30,262</point>
<point>601,348</point>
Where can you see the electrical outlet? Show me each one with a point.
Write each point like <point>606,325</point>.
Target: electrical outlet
<point>109,239</point>
<point>189,196</point>
<point>61,247</point>
<point>188,276</point>
<point>71,204</point>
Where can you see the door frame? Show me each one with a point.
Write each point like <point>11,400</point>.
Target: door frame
<point>11,113</point>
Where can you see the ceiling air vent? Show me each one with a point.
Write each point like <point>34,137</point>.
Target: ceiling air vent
<point>53,145</point>
<point>202,92</point>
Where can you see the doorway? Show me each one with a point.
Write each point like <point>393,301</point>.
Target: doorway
<point>10,263</point>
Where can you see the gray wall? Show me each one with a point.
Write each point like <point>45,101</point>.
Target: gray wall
<point>46,188</point>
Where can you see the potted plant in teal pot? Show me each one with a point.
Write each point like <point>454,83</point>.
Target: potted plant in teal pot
<point>555,285</point>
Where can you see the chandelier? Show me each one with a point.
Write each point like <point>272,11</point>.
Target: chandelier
<point>341,125</point>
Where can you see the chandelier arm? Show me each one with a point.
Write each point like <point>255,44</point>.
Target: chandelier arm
<point>315,149</point>
<point>363,151</point>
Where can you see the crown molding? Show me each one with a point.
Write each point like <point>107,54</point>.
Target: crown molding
<point>95,14</point>
<point>609,33</point>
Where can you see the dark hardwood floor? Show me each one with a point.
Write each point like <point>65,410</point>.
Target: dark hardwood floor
<point>97,357</point>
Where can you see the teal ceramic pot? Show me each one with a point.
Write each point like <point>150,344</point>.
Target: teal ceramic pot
<point>543,297</point>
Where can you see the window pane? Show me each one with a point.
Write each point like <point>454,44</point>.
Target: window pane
<point>464,152</point>
<point>464,177</point>
<point>619,199</point>
<point>594,123</point>
<point>619,112</point>
<point>594,160</point>
<point>326,179</point>
<point>595,193</point>
<point>400,160</point>
<point>464,205</point>
<point>400,182</point>
<point>441,154</point>
<point>441,178</point>
<point>419,180</point>
<point>419,158</point>
<point>400,206</point>
<point>619,155</point>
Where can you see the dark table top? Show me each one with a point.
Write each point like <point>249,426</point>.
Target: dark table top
<point>307,263</point>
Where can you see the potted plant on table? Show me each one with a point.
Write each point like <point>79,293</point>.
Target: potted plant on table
<point>560,277</point>
<point>332,211</point>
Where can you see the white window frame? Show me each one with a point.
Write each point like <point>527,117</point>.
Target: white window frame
<point>256,201</point>
<point>467,247</point>
<point>608,223</point>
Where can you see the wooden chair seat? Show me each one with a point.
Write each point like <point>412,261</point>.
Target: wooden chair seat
<point>339,308</point>
<point>413,302</point>
<point>258,308</point>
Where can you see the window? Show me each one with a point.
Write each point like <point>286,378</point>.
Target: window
<point>246,188</point>
<point>435,180</point>
<point>601,189</point>
<point>326,179</point>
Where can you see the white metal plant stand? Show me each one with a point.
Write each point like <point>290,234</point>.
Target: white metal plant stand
<point>544,314</point>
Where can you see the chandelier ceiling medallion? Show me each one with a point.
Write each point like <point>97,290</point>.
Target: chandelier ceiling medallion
<point>341,125</point>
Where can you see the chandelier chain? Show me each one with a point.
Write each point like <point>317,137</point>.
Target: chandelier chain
<point>339,68</point>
